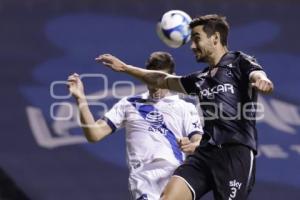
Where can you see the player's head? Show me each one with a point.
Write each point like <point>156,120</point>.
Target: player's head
<point>161,61</point>
<point>209,32</point>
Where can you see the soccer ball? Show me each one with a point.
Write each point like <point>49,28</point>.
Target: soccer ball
<point>173,28</point>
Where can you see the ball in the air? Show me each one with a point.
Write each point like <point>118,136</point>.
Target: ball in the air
<point>173,28</point>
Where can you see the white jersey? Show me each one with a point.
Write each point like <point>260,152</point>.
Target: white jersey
<point>151,130</point>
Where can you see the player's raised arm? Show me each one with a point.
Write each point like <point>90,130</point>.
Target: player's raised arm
<point>153,78</point>
<point>94,131</point>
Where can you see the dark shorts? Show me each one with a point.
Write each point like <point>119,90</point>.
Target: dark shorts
<point>229,171</point>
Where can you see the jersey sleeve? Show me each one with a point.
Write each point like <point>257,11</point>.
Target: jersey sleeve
<point>249,64</point>
<point>188,83</point>
<point>192,123</point>
<point>116,115</point>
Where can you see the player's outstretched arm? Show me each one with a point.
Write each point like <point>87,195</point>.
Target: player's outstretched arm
<point>94,131</point>
<point>260,81</point>
<point>150,77</point>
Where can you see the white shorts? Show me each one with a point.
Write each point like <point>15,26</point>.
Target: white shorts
<point>149,182</point>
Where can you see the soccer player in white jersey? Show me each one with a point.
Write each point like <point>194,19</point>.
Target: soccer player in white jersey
<point>160,129</point>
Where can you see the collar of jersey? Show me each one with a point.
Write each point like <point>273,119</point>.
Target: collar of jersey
<point>226,59</point>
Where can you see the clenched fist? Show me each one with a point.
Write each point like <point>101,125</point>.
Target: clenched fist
<point>264,85</point>
<point>186,145</point>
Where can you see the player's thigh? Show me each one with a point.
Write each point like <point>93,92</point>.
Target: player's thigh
<point>176,189</point>
<point>191,179</point>
<point>234,177</point>
<point>141,186</point>
<point>149,184</point>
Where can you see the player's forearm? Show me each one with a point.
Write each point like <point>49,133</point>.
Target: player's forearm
<point>150,77</point>
<point>196,140</point>
<point>91,129</point>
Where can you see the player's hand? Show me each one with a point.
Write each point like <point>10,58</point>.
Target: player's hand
<point>263,85</point>
<point>111,62</point>
<point>75,86</point>
<point>186,145</point>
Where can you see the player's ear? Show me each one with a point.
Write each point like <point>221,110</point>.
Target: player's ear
<point>216,38</point>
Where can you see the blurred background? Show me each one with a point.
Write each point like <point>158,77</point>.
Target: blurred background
<point>43,154</point>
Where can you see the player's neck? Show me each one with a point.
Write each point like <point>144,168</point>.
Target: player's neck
<point>159,94</point>
<point>217,56</point>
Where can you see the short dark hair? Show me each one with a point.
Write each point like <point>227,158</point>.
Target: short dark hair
<point>161,61</point>
<point>211,24</point>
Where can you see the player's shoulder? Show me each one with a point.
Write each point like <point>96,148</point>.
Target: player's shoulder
<point>127,102</point>
<point>122,101</point>
<point>189,108</point>
<point>184,103</point>
<point>139,98</point>
<point>197,74</point>
<point>233,56</point>
<point>188,105</point>
<point>240,58</point>
<point>132,98</point>
<point>246,57</point>
<point>183,106</point>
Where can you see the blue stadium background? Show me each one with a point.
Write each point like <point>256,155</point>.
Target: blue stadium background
<point>42,41</point>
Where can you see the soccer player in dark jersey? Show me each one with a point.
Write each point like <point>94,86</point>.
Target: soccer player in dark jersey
<point>227,89</point>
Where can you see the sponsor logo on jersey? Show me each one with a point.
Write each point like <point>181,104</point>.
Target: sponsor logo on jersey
<point>222,88</point>
<point>155,118</point>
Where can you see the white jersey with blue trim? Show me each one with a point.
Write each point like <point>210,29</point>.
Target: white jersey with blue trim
<point>152,128</point>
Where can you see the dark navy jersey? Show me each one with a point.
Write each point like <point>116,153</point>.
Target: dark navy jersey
<point>227,100</point>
